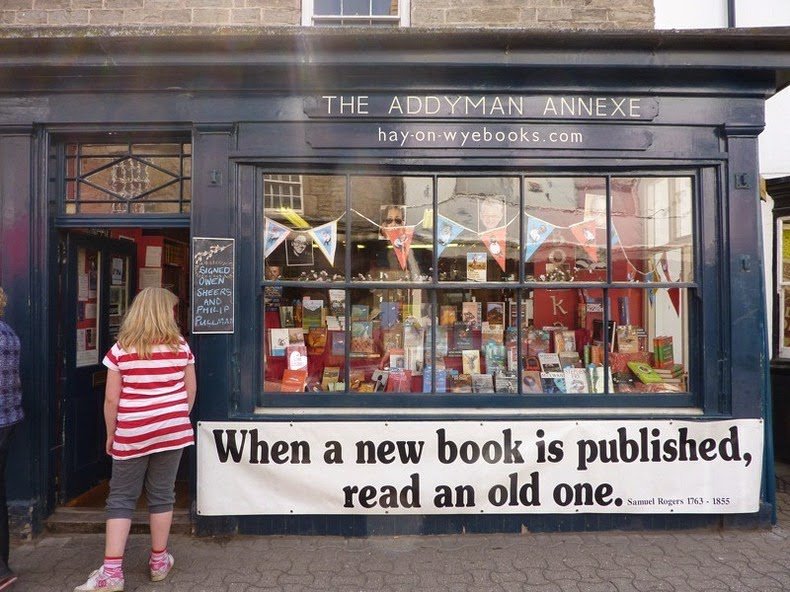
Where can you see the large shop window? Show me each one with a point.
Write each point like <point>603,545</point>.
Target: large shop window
<point>456,289</point>
<point>783,284</point>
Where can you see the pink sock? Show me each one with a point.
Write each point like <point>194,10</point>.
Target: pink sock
<point>113,567</point>
<point>158,556</point>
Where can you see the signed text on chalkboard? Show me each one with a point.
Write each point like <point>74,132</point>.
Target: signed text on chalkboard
<point>212,285</point>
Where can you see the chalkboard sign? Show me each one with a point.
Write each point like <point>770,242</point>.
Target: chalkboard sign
<point>213,283</point>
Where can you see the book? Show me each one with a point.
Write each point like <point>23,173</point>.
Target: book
<point>330,376</point>
<point>644,372</point>
<point>279,341</point>
<point>663,351</point>
<point>537,341</point>
<point>316,340</point>
<point>552,385</point>
<point>598,334</point>
<point>576,380</point>
<point>399,381</point>
<point>461,383</point>
<point>564,340</point>
<point>482,383</point>
<point>360,312</point>
<point>295,335</point>
<point>471,314</point>
<point>676,371</point>
<point>392,338</point>
<point>505,383</point>
<point>595,376</point>
<point>492,333</point>
<point>397,359</point>
<point>337,303</point>
<point>476,266</point>
<point>627,339</point>
<point>388,314</point>
<point>380,378</point>
<point>312,313</point>
<point>495,313</point>
<point>441,380</point>
<point>362,337</point>
<point>471,361</point>
<point>624,310</point>
<point>442,341</point>
<point>413,333</point>
<point>495,357</point>
<point>531,382</point>
<point>569,360</point>
<point>296,356</point>
<point>448,315</point>
<point>462,337</point>
<point>293,380</point>
<point>337,343</point>
<point>550,364</point>
<point>415,358</point>
<point>356,376</point>
<point>287,316</point>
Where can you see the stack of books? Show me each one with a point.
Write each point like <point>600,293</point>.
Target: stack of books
<point>672,375</point>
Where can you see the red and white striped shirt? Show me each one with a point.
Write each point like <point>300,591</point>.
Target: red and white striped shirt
<point>153,412</point>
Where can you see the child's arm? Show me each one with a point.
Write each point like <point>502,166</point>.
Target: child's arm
<point>112,396</point>
<point>190,381</point>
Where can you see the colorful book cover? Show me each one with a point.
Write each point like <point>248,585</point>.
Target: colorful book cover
<point>448,315</point>
<point>399,381</point>
<point>462,337</point>
<point>316,340</point>
<point>380,378</point>
<point>392,338</point>
<point>471,361</point>
<point>360,312</point>
<point>495,357</point>
<point>550,364</point>
<point>471,314</point>
<point>337,303</point>
<point>413,333</point>
<point>492,333</point>
<point>287,316</point>
<point>330,377</point>
<point>595,376</point>
<point>506,383</point>
<point>312,313</point>
<point>461,383</point>
<point>644,372</point>
<point>576,380</point>
<point>538,341</point>
<point>279,341</point>
<point>627,339</point>
<point>564,340</point>
<point>293,380</point>
<point>570,360</point>
<point>296,356</point>
<point>295,335</point>
<point>495,313</point>
<point>482,383</point>
<point>362,337</point>
<point>441,380</point>
<point>531,382</point>
<point>397,359</point>
<point>663,351</point>
<point>476,266</point>
<point>552,385</point>
<point>337,340</point>
<point>415,359</point>
<point>389,314</point>
<point>442,341</point>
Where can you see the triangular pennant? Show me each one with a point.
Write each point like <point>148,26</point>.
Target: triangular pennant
<point>494,240</point>
<point>651,292</point>
<point>400,237</point>
<point>615,236</point>
<point>274,234</point>
<point>446,232</point>
<point>537,233</point>
<point>674,297</point>
<point>585,234</point>
<point>325,236</point>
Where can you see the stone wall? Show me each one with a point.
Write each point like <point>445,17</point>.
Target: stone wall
<point>560,14</point>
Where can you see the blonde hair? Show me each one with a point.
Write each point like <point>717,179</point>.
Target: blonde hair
<point>150,321</point>
<point>3,301</point>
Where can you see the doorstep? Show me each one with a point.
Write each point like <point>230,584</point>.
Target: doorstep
<point>91,520</point>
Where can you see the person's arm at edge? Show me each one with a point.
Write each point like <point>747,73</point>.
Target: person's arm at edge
<point>112,396</point>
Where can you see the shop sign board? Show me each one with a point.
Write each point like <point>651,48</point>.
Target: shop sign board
<point>479,467</point>
<point>213,285</point>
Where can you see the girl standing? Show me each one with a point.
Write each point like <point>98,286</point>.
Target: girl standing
<point>150,391</point>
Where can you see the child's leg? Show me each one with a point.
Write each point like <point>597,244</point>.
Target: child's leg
<point>125,487</point>
<point>160,482</point>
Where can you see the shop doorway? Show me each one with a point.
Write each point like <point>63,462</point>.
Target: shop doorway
<point>100,272</point>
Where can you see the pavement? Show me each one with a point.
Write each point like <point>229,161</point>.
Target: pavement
<point>614,561</point>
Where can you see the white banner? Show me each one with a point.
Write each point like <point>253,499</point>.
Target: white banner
<point>474,467</point>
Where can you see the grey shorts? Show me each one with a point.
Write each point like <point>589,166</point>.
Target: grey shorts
<point>157,471</point>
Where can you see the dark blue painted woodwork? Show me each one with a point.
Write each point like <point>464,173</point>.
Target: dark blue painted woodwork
<point>242,99</point>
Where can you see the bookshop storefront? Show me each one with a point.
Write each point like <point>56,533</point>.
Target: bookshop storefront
<point>440,281</point>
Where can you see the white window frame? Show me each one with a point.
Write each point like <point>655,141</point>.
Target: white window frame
<point>296,191</point>
<point>403,19</point>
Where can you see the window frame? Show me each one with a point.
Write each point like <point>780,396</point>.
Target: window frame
<point>781,284</point>
<point>699,331</point>
<point>403,18</point>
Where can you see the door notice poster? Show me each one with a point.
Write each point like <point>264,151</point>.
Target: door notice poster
<point>213,285</point>
<point>480,467</point>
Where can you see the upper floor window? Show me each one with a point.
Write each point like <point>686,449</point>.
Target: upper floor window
<point>128,177</point>
<point>392,13</point>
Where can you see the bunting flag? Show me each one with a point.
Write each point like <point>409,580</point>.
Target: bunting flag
<point>674,297</point>
<point>494,240</point>
<point>400,237</point>
<point>651,292</point>
<point>325,236</point>
<point>585,234</point>
<point>447,232</point>
<point>274,234</point>
<point>537,233</point>
<point>616,237</point>
<point>673,293</point>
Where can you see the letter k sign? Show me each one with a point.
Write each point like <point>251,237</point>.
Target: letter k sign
<point>557,306</point>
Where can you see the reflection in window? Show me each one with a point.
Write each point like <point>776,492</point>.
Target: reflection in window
<point>355,12</point>
<point>283,192</point>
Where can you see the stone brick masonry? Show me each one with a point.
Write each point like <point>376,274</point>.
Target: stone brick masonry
<point>555,14</point>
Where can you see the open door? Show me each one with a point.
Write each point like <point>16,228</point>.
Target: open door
<point>97,286</point>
